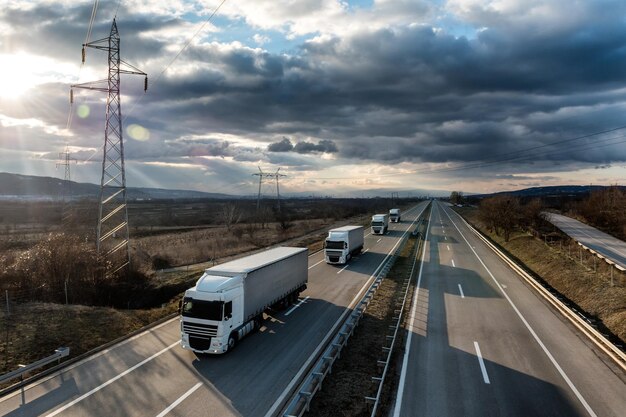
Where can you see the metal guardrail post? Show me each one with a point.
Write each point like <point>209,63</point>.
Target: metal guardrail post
<point>23,369</point>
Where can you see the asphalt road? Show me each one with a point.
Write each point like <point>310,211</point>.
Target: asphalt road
<point>481,343</point>
<point>150,375</point>
<point>606,245</point>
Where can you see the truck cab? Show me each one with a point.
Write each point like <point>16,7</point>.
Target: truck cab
<point>210,311</point>
<point>380,224</point>
<point>394,215</point>
<point>342,243</point>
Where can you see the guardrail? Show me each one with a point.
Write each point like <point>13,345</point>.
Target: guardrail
<point>617,355</point>
<point>299,403</point>
<point>24,369</point>
<point>397,318</point>
<point>605,259</point>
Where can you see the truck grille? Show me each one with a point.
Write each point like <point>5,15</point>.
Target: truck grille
<point>199,331</point>
<point>333,256</point>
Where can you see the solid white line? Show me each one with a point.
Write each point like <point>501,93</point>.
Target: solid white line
<point>461,291</point>
<point>341,270</point>
<point>180,400</point>
<point>316,264</point>
<point>407,348</point>
<point>297,305</point>
<point>296,378</point>
<point>110,381</point>
<point>482,363</point>
<point>530,329</point>
<point>453,265</point>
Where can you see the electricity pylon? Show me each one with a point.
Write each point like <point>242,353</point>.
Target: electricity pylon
<point>66,213</point>
<point>268,175</point>
<point>112,236</point>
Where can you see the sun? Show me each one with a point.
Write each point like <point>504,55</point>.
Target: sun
<point>18,73</point>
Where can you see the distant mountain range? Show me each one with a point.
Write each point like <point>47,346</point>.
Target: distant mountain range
<point>28,187</point>
<point>552,191</point>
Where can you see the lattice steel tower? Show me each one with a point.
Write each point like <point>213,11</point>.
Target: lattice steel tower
<point>269,175</point>
<point>112,236</point>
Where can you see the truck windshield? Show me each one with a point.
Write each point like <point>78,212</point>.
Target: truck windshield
<point>334,245</point>
<point>199,309</point>
<point>377,223</point>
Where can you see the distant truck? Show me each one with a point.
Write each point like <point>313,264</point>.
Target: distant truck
<point>342,243</point>
<point>380,224</point>
<point>228,300</point>
<point>394,215</point>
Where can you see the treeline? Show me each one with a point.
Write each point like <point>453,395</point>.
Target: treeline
<point>503,214</point>
<point>605,210</point>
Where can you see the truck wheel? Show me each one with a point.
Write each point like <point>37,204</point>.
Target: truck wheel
<point>232,341</point>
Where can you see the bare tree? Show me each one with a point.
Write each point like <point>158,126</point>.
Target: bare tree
<point>231,214</point>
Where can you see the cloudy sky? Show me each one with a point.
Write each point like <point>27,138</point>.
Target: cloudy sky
<point>471,95</point>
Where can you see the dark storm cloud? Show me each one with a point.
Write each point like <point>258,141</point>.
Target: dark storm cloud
<point>411,93</point>
<point>285,145</point>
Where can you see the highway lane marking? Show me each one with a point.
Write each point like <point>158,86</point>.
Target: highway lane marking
<point>368,234</point>
<point>461,291</point>
<point>297,305</point>
<point>482,363</point>
<point>407,348</point>
<point>448,246</point>
<point>341,270</point>
<point>316,264</point>
<point>453,265</point>
<point>366,250</point>
<point>281,398</point>
<point>530,329</point>
<point>379,240</point>
<point>445,237</point>
<point>180,400</point>
<point>110,381</point>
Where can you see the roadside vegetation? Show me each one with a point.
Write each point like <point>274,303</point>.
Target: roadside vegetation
<point>54,282</point>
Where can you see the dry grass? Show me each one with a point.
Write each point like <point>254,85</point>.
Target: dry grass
<point>35,330</point>
<point>591,291</point>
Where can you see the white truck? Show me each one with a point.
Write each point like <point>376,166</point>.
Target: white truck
<point>342,243</point>
<point>380,224</point>
<point>228,300</point>
<point>394,215</point>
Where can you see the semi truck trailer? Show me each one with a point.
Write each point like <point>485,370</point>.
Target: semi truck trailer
<point>342,243</point>
<point>380,224</point>
<point>228,300</point>
<point>394,215</point>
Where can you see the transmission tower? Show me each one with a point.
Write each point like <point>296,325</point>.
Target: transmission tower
<point>112,235</point>
<point>66,213</point>
<point>269,175</point>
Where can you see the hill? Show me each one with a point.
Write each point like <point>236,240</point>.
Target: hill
<point>29,187</point>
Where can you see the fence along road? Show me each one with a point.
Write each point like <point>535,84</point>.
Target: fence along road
<point>606,245</point>
<point>150,375</point>
<point>481,343</point>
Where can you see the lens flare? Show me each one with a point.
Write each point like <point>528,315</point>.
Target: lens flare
<point>138,132</point>
<point>83,111</point>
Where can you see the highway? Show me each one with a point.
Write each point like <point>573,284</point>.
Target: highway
<point>606,245</point>
<point>150,375</point>
<point>481,343</point>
